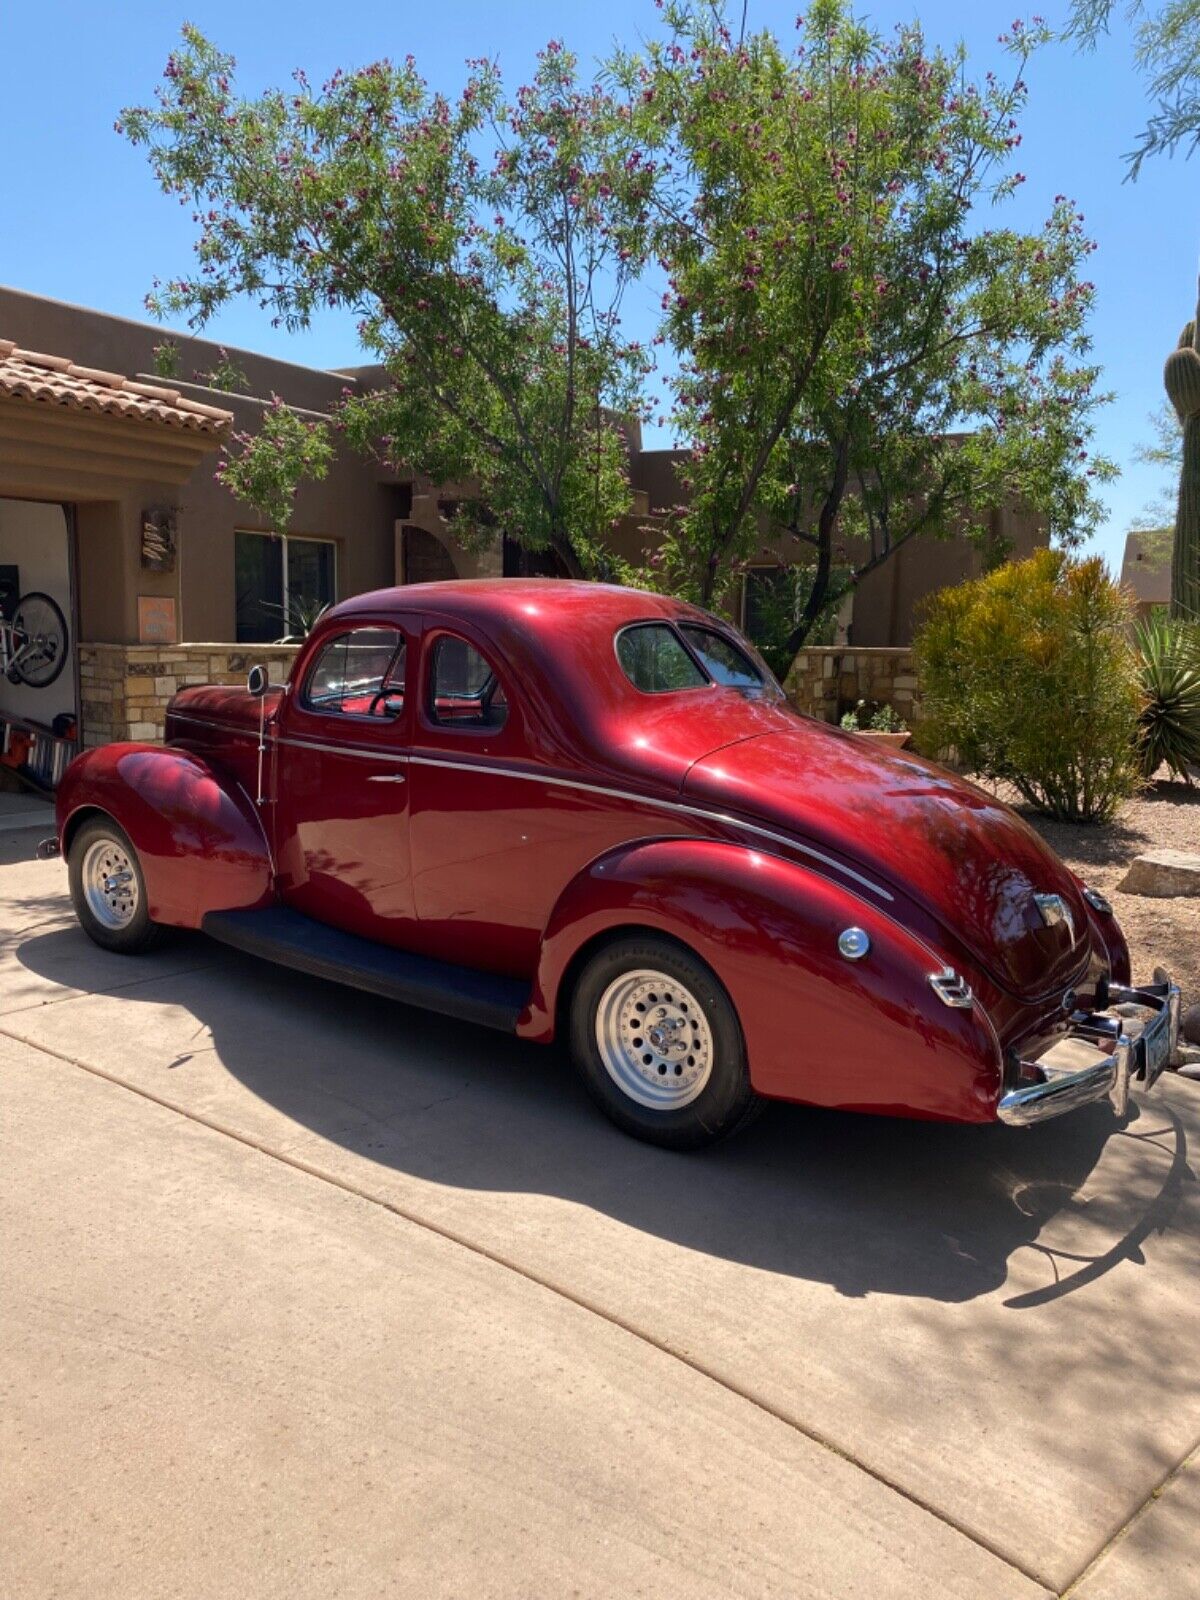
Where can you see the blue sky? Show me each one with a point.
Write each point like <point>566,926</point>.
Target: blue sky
<point>81,218</point>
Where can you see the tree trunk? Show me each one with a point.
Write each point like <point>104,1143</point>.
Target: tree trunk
<point>826,523</point>
<point>565,551</point>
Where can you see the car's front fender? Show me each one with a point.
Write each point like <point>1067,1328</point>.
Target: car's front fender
<point>866,1035</point>
<point>200,843</point>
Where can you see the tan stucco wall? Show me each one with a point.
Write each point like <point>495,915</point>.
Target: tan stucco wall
<point>357,504</point>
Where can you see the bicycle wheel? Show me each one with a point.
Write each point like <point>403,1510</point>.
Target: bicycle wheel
<point>39,636</point>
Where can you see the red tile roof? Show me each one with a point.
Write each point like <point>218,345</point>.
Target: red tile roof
<point>54,380</point>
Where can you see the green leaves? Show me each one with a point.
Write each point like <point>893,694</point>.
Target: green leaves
<point>264,469</point>
<point>484,245</point>
<point>1169,667</point>
<point>863,357</point>
<point>1029,675</point>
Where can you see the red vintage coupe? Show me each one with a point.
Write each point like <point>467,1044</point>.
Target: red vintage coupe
<point>565,809</point>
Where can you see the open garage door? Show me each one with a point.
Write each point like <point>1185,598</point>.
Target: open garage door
<point>39,708</point>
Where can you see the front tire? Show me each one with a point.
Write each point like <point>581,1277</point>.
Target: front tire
<point>108,889</point>
<point>658,1045</point>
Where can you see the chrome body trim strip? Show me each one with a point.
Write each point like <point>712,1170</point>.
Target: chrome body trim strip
<point>679,806</point>
<point>682,808</point>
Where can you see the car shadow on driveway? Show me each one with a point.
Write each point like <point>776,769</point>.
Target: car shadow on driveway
<point>867,1205</point>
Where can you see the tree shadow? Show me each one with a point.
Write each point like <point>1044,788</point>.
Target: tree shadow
<point>869,1205</point>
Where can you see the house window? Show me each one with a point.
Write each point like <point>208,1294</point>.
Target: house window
<point>281,583</point>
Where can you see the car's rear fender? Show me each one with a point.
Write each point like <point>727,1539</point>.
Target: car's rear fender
<point>199,840</point>
<point>866,1035</point>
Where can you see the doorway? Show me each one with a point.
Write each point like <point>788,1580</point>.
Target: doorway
<point>39,718</point>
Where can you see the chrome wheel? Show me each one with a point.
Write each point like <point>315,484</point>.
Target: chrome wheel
<point>110,884</point>
<point>654,1040</point>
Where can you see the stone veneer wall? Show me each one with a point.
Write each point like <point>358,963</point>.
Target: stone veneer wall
<point>828,680</point>
<point>125,687</point>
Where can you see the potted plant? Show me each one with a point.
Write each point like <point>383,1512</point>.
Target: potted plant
<point>882,723</point>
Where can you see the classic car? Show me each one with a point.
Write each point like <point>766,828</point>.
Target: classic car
<point>577,811</point>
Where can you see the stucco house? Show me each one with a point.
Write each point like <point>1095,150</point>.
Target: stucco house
<point>1146,568</point>
<point>108,501</point>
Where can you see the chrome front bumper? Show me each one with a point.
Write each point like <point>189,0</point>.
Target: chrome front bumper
<point>1121,1057</point>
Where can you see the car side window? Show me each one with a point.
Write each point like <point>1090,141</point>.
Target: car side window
<point>359,673</point>
<point>721,658</point>
<point>654,660</point>
<point>464,691</point>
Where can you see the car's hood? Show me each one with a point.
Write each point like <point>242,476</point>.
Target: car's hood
<point>214,703</point>
<point>969,861</point>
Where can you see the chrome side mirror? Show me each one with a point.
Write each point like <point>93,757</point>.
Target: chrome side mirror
<point>256,682</point>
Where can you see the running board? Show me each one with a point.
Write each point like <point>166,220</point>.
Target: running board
<point>291,939</point>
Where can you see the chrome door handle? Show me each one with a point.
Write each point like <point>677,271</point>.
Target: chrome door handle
<point>388,777</point>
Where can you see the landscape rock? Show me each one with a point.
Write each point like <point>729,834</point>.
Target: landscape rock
<point>1163,873</point>
<point>1191,1024</point>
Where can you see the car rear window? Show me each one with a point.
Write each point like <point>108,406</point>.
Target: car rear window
<point>654,660</point>
<point>722,659</point>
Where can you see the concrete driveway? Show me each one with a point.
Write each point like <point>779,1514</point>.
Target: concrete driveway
<point>307,1294</point>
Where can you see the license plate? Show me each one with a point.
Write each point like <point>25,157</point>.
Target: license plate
<point>1156,1039</point>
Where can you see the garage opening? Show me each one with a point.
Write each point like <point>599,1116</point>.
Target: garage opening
<point>39,706</point>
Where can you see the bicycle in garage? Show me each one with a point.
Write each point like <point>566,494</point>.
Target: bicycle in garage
<point>33,642</point>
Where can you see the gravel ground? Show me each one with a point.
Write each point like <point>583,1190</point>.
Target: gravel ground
<point>1160,932</point>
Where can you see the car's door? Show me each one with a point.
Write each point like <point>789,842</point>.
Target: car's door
<point>341,818</point>
<point>495,834</point>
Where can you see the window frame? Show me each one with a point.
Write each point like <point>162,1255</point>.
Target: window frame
<point>766,683</point>
<point>668,623</point>
<point>285,597</point>
<point>320,646</point>
<point>429,717</point>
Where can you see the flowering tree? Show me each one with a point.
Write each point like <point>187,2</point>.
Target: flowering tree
<point>484,245</point>
<point>862,360</point>
<point>1167,53</point>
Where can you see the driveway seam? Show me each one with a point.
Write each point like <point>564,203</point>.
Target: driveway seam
<point>1119,1536</point>
<point>814,1435</point>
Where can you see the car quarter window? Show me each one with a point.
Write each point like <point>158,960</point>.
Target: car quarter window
<point>359,673</point>
<point>654,660</point>
<point>464,691</point>
<point>721,658</point>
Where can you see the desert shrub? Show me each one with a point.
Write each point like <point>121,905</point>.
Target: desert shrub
<point>1029,675</point>
<point>869,715</point>
<point>1169,667</point>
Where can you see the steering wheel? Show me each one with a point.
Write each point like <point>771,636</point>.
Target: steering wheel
<point>380,696</point>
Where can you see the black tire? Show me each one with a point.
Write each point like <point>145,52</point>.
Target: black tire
<point>136,933</point>
<point>53,623</point>
<point>604,1005</point>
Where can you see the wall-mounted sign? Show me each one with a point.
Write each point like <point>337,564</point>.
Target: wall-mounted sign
<point>156,619</point>
<point>158,539</point>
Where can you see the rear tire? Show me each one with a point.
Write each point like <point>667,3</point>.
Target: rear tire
<point>658,1044</point>
<point>108,889</point>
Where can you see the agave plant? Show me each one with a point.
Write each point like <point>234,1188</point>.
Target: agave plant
<point>1169,666</point>
<point>301,615</point>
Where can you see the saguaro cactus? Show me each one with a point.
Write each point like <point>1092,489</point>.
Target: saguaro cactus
<point>1182,378</point>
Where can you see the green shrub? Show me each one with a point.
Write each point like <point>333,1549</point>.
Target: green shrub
<point>874,718</point>
<point>1028,674</point>
<point>1169,665</point>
